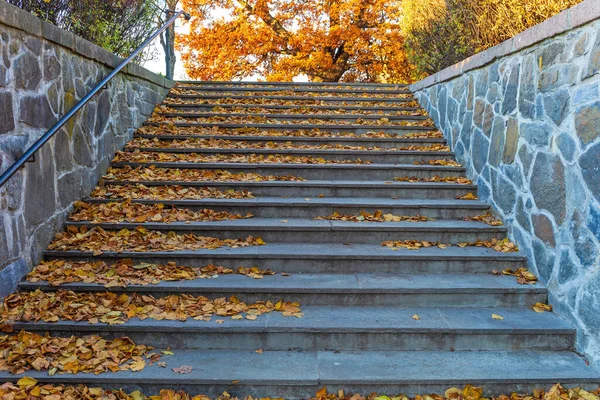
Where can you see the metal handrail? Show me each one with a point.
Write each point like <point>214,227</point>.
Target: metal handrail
<point>52,131</point>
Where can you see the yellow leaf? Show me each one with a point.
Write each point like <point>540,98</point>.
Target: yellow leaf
<point>498,317</point>
<point>26,382</point>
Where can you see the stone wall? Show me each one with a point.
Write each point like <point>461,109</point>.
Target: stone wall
<point>524,118</point>
<point>43,72</point>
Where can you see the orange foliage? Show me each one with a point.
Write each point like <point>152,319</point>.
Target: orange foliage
<point>327,40</point>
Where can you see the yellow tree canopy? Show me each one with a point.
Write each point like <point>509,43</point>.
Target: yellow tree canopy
<point>327,40</point>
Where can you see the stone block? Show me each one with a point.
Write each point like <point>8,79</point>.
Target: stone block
<point>585,94</point>
<point>593,66</point>
<point>567,146</point>
<point>72,186</point>
<point>27,72</point>
<point>36,111</point>
<point>567,268</point>
<point>52,68</point>
<point>543,228</point>
<point>587,122</point>
<point>526,158</point>
<point>544,260</point>
<point>552,54</point>
<point>584,246</point>
<point>580,46</point>
<point>537,134</point>
<point>7,122</point>
<point>497,141</point>
<point>40,191</point>
<point>504,193</point>
<point>479,149</point>
<point>511,141</point>
<point>590,169</point>
<point>523,216</point>
<point>509,104</point>
<point>102,113</point>
<point>488,120</point>
<point>528,86</point>
<point>558,76</point>
<point>548,185</point>
<point>62,151</point>
<point>11,275</point>
<point>557,106</point>
<point>478,113</point>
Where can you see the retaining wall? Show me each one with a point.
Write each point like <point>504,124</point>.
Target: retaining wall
<point>524,118</point>
<point>44,71</point>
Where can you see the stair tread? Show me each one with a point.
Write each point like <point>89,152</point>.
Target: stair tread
<point>326,283</point>
<point>268,224</point>
<point>324,251</point>
<point>373,166</point>
<point>366,202</point>
<point>372,141</point>
<point>376,319</point>
<point>281,368</point>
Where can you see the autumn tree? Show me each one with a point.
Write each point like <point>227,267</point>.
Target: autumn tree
<point>327,40</point>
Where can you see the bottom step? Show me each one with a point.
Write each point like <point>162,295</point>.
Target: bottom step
<point>300,374</point>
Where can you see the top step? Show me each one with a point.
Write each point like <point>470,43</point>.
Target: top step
<point>295,84</point>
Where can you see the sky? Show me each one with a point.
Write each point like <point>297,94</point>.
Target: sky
<point>157,64</point>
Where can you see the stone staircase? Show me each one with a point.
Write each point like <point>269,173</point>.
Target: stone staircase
<point>387,319</point>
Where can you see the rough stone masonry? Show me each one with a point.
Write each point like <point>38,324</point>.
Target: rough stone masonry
<point>44,71</point>
<point>526,124</point>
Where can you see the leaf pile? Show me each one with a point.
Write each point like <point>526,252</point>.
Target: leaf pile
<point>126,211</point>
<point>97,240</point>
<point>125,272</point>
<point>523,275</point>
<point>215,131</point>
<point>469,392</point>
<point>486,218</point>
<point>155,174</point>
<point>442,162</point>
<point>212,143</point>
<point>69,355</point>
<point>287,93</point>
<point>461,180</point>
<point>266,120</point>
<point>377,216</point>
<point>114,308</point>
<point>142,192</point>
<point>264,101</point>
<point>147,156</point>
<point>253,109</point>
<point>503,246</point>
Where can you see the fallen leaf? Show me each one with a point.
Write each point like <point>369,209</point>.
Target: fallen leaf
<point>184,369</point>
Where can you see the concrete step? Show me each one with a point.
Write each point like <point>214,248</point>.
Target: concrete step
<point>273,230</point>
<point>358,129</point>
<point>275,107</point>
<point>322,99</point>
<point>344,328</point>
<point>311,189</point>
<point>279,207</point>
<point>327,258</point>
<point>294,117</point>
<point>300,374</point>
<point>315,171</point>
<point>304,140</point>
<point>297,90</point>
<point>296,84</point>
<point>397,290</point>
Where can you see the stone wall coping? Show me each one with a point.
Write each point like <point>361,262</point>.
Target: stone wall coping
<point>17,18</point>
<point>580,14</point>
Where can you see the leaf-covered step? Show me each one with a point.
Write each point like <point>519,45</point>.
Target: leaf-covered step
<point>299,207</point>
<point>329,258</point>
<point>373,137</point>
<point>357,118</point>
<point>339,327</point>
<point>301,90</point>
<point>300,374</point>
<point>318,171</point>
<point>293,108</point>
<point>317,93</point>
<point>273,186</point>
<point>273,230</point>
<point>398,290</point>
<point>290,100</point>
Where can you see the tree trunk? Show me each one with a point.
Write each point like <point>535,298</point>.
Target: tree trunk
<point>334,74</point>
<point>169,47</point>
